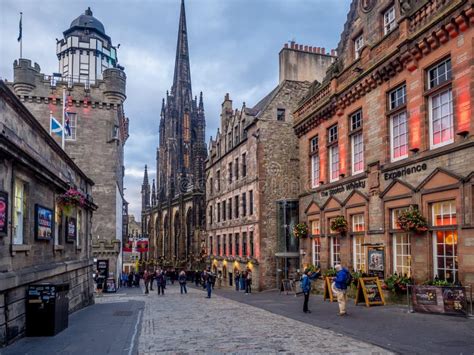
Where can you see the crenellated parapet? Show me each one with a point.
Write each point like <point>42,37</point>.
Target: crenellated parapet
<point>25,75</point>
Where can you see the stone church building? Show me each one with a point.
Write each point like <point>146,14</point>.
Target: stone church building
<point>173,210</point>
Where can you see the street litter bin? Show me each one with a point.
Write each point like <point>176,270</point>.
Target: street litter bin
<point>47,309</point>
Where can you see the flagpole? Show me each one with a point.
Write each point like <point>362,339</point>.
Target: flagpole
<point>64,108</point>
<point>21,35</point>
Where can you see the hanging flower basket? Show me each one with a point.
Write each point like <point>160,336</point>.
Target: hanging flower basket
<point>339,224</point>
<point>411,220</point>
<point>70,199</point>
<point>300,230</point>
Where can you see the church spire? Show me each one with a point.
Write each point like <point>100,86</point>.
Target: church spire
<point>181,89</point>
<point>145,190</point>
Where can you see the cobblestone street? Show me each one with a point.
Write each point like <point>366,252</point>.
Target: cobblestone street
<point>192,323</point>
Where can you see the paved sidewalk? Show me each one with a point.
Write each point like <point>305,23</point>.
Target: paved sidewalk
<point>107,327</point>
<point>391,327</point>
<point>192,323</point>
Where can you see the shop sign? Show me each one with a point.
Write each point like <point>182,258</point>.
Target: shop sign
<point>408,170</point>
<point>128,245</point>
<point>3,213</point>
<point>103,267</point>
<point>43,223</point>
<point>439,299</point>
<point>360,184</point>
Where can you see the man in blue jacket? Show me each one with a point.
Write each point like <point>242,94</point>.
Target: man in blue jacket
<point>339,287</point>
<point>306,279</point>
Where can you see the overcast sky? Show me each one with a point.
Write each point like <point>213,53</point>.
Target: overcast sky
<point>233,45</point>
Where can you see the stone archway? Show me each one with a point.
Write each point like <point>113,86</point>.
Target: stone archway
<point>176,234</point>
<point>189,232</point>
<point>166,237</point>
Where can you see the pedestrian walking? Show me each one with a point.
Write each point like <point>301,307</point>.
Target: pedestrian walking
<point>244,278</point>
<point>241,281</point>
<point>130,279</point>
<point>197,278</point>
<point>339,287</point>
<point>236,279</point>
<point>161,282</point>
<point>249,282</point>
<point>182,281</point>
<point>219,279</point>
<point>208,282</point>
<point>152,278</point>
<point>306,279</point>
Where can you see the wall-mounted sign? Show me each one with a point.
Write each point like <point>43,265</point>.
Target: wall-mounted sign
<point>360,184</point>
<point>142,245</point>
<point>408,170</point>
<point>376,259</point>
<point>43,223</point>
<point>3,213</point>
<point>103,267</point>
<point>71,230</point>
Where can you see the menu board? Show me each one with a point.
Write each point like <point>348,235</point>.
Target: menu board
<point>436,299</point>
<point>328,289</point>
<point>369,291</point>
<point>3,213</point>
<point>286,286</point>
<point>43,223</point>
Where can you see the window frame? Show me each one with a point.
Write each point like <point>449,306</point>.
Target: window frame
<point>72,127</point>
<point>358,45</point>
<point>316,251</point>
<point>20,240</point>
<point>388,27</point>
<point>402,243</point>
<point>333,251</point>
<point>281,113</point>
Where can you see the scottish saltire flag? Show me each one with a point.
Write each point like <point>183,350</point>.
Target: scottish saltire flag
<point>55,127</point>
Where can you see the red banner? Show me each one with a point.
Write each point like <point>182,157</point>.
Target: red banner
<point>142,245</point>
<point>128,246</point>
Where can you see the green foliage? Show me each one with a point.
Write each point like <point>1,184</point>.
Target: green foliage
<point>397,283</point>
<point>339,224</point>
<point>300,230</point>
<point>411,220</point>
<point>438,282</point>
<point>330,273</point>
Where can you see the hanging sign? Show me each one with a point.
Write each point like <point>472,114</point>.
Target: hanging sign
<point>71,230</point>
<point>376,261</point>
<point>142,245</point>
<point>3,213</point>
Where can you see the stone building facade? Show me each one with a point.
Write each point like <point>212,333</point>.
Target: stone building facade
<point>94,85</point>
<point>251,189</point>
<point>129,252</point>
<point>173,214</point>
<point>38,242</point>
<point>391,129</point>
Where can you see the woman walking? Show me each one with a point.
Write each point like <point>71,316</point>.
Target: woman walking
<point>236,279</point>
<point>161,282</point>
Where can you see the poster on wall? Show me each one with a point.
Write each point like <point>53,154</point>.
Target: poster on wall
<point>127,247</point>
<point>376,261</point>
<point>3,213</point>
<point>71,230</point>
<point>43,223</point>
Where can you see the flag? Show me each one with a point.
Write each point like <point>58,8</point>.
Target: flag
<point>20,28</point>
<point>55,127</point>
<point>67,120</point>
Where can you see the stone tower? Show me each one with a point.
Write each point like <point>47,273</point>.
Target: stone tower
<point>145,190</point>
<point>94,84</point>
<point>177,220</point>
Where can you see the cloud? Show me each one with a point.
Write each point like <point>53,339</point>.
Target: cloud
<point>233,44</point>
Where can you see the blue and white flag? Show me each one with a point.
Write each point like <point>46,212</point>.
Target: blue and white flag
<point>55,127</point>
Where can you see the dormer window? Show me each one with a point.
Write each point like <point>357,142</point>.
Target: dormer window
<point>358,44</point>
<point>389,22</point>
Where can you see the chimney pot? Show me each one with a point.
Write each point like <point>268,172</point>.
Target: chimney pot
<point>323,50</point>
<point>292,45</point>
<point>301,47</point>
<point>305,48</point>
<point>286,45</point>
<point>310,48</point>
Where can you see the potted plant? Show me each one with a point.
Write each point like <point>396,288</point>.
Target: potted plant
<point>339,224</point>
<point>397,284</point>
<point>70,199</point>
<point>411,220</point>
<point>300,230</point>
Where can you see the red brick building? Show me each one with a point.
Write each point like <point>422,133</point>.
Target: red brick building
<point>389,128</point>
